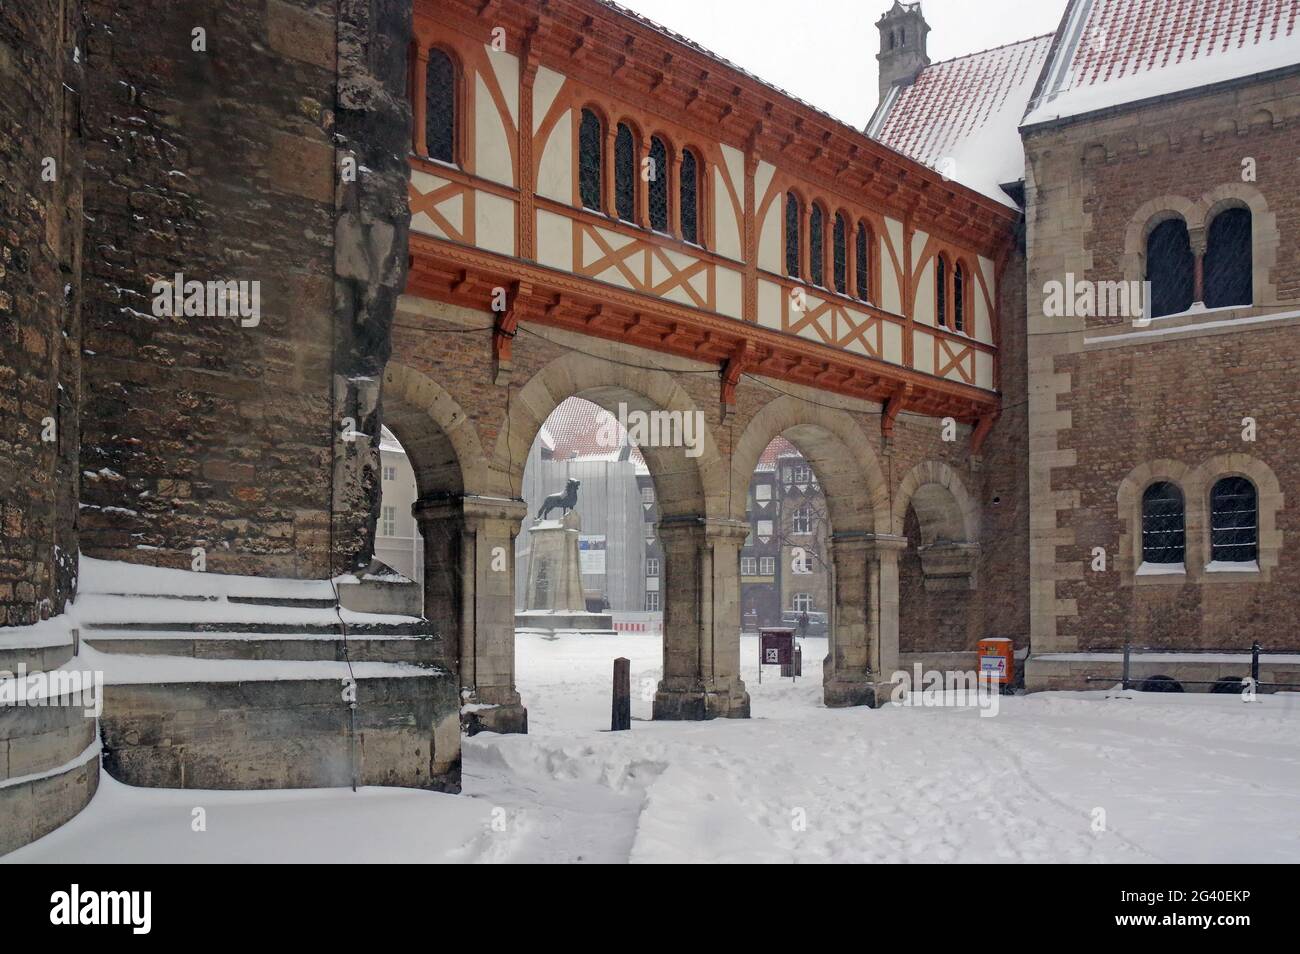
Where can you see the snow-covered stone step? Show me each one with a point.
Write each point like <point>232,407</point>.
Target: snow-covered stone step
<point>48,771</point>
<point>389,647</point>
<point>179,722</point>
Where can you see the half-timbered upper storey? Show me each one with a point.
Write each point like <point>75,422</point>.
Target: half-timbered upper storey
<point>619,180</point>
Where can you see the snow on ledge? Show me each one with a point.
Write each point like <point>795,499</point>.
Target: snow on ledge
<point>1161,569</point>
<point>132,579</point>
<point>1223,566</point>
<point>121,669</point>
<point>55,631</point>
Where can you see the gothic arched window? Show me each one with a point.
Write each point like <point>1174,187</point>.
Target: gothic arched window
<point>590,134</point>
<point>658,185</point>
<point>941,291</point>
<point>791,235</point>
<point>817,246</point>
<point>864,262</point>
<point>440,107</point>
<point>690,174</point>
<point>1234,521</point>
<point>1228,266</point>
<point>959,297</point>
<point>839,253</point>
<point>1164,538</point>
<point>1169,268</point>
<point>625,173</point>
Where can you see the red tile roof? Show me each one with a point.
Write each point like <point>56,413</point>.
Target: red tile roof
<point>953,98</point>
<point>960,115</point>
<point>1122,37</point>
<point>1119,51</point>
<point>574,430</point>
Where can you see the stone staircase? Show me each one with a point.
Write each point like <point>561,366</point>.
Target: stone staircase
<point>216,681</point>
<point>237,682</point>
<point>49,754</point>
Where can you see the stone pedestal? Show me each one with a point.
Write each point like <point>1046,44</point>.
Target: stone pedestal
<point>553,597</point>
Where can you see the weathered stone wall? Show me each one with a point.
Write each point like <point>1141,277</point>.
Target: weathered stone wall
<point>1167,402</point>
<point>214,155</point>
<point>41,68</point>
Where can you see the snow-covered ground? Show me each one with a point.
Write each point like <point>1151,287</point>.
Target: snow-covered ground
<point>1165,777</point>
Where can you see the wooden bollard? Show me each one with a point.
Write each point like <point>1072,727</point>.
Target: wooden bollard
<point>621,716</point>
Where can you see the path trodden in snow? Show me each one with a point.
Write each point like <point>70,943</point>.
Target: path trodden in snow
<point>1167,777</point>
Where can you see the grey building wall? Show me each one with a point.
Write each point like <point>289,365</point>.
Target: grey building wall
<point>609,503</point>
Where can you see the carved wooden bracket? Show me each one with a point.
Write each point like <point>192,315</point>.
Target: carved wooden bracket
<point>893,405</point>
<point>507,326</point>
<point>981,431</point>
<point>731,373</point>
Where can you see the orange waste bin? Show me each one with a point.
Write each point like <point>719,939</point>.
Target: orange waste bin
<point>997,660</point>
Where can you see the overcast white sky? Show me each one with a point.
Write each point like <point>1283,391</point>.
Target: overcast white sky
<point>824,51</point>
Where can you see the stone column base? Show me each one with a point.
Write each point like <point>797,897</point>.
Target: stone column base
<point>842,692</point>
<point>493,709</point>
<point>505,720</point>
<point>696,705</point>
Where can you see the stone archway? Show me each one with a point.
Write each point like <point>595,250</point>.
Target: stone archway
<point>863,633</point>
<point>467,528</point>
<point>940,521</point>
<point>700,542</point>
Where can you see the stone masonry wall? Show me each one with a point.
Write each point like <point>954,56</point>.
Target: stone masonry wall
<point>41,68</point>
<point>1166,406</point>
<point>214,134</point>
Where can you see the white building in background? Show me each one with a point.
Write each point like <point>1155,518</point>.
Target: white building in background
<point>610,502</point>
<point>397,537</point>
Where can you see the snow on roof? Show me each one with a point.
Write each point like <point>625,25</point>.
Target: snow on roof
<point>960,116</point>
<point>1113,52</point>
<point>389,442</point>
<point>580,429</point>
<point>778,447</point>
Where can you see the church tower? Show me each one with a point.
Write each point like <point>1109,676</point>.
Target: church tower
<point>902,44</point>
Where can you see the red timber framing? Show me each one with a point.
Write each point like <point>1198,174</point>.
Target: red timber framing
<point>664,85</point>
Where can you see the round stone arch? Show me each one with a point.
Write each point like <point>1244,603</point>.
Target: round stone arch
<point>949,521</point>
<point>1269,500</point>
<point>1147,217</point>
<point>839,452</point>
<point>1128,498</point>
<point>701,669</point>
<point>688,480</point>
<point>1264,235</point>
<point>438,436</point>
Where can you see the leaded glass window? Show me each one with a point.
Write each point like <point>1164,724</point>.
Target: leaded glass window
<point>791,235</point>
<point>625,173</point>
<point>1228,265</point>
<point>690,197</point>
<point>589,172</point>
<point>817,247</point>
<point>1234,521</point>
<point>1164,538</point>
<point>839,252</point>
<point>440,107</point>
<point>657,174</point>
<point>863,263</point>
